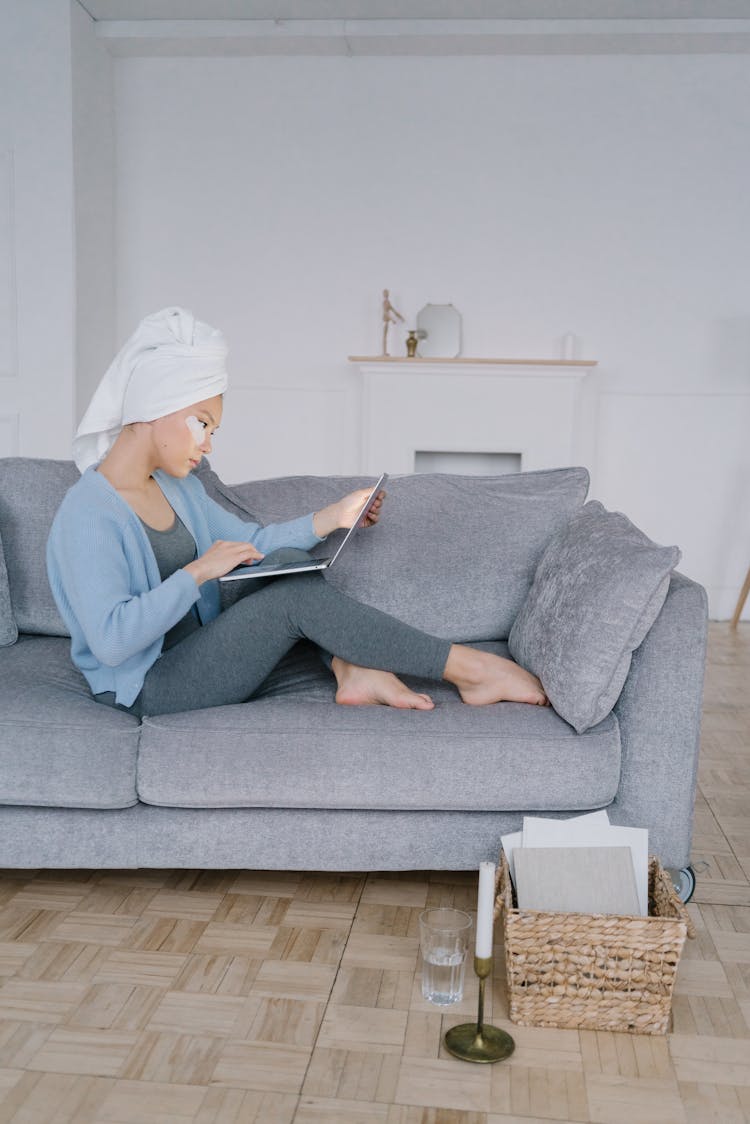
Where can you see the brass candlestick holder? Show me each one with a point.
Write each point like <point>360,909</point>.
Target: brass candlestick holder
<point>475,1042</point>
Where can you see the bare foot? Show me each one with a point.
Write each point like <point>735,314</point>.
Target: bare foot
<point>364,686</point>
<point>482,678</point>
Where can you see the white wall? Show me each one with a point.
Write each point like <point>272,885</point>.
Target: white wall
<point>37,256</point>
<point>93,167</point>
<point>606,196</point>
<point>277,196</point>
<point>57,309</point>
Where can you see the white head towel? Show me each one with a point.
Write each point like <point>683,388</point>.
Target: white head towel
<point>171,361</point>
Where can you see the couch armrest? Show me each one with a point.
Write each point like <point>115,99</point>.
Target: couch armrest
<point>659,712</point>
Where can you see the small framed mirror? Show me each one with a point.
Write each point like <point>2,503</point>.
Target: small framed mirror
<point>439,331</point>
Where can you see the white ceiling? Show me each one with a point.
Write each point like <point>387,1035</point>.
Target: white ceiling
<point>415,9</point>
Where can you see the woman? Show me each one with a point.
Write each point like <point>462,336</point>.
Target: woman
<point>136,547</point>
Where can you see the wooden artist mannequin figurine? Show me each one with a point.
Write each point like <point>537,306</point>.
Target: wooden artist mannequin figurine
<point>390,315</point>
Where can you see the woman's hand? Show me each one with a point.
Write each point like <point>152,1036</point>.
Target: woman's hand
<point>220,558</point>
<point>345,511</point>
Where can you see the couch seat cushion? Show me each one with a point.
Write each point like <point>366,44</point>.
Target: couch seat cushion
<point>452,555</point>
<point>294,748</point>
<point>59,748</point>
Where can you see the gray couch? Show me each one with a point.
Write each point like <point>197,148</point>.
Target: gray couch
<point>292,781</point>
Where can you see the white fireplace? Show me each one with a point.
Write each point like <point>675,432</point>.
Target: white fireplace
<point>476,415</point>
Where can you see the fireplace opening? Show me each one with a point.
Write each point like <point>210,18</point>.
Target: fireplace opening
<point>467,464</point>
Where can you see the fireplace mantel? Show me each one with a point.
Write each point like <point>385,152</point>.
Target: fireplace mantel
<point>544,410</point>
<point>418,361</point>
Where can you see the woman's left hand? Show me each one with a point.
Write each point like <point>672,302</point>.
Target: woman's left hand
<point>345,511</point>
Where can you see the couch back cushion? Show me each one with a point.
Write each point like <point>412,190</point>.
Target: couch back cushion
<point>8,627</point>
<point>31,490</point>
<point>453,555</point>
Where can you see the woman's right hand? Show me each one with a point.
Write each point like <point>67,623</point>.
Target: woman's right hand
<point>345,511</point>
<point>220,558</point>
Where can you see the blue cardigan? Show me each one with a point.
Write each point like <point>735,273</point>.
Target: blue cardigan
<point>106,582</point>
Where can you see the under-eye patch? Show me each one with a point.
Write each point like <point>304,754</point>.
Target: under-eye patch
<point>196,429</point>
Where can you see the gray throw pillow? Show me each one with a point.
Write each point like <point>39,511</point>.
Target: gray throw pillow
<point>599,587</point>
<point>8,630</point>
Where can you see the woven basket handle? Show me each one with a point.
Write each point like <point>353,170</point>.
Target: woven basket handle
<point>503,888</point>
<point>664,889</point>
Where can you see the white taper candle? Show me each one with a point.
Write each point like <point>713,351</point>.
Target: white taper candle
<point>485,910</point>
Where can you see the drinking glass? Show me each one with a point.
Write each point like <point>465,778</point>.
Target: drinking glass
<point>444,942</point>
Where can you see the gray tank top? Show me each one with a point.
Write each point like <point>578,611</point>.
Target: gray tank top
<point>173,549</point>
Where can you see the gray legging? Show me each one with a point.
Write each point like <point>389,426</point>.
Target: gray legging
<point>227,660</point>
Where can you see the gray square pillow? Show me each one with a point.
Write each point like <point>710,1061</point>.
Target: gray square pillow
<point>599,587</point>
<point>8,630</point>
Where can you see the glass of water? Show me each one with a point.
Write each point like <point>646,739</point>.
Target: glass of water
<point>444,942</point>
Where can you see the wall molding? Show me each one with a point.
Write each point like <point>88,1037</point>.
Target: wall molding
<point>10,431</point>
<point>675,394</point>
<point>424,36</point>
<point>8,283</point>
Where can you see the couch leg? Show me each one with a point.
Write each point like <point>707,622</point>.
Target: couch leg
<point>684,882</point>
<point>741,601</point>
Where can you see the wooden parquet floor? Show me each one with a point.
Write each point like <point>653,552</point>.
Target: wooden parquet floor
<point>225,997</point>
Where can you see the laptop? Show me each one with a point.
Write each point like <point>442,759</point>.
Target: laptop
<point>259,570</point>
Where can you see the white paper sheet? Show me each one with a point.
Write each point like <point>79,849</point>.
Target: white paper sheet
<point>541,832</point>
<point>577,879</point>
<point>577,827</point>
<point>538,832</point>
<point>510,842</point>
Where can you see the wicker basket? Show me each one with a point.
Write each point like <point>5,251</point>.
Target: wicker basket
<point>594,971</point>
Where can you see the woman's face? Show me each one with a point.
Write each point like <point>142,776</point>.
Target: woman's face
<point>182,438</point>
